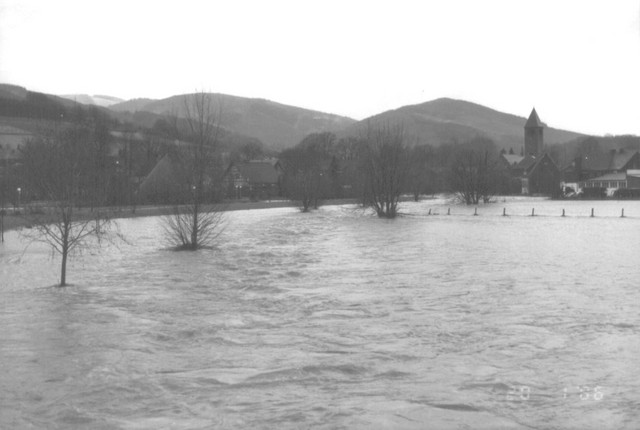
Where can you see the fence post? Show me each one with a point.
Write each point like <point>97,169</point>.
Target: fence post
<point>504,211</point>
<point>475,212</point>
<point>2,225</point>
<point>591,212</point>
<point>622,215</point>
<point>562,212</point>
<point>533,211</point>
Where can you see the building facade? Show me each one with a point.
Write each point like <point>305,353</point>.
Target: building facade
<point>536,170</point>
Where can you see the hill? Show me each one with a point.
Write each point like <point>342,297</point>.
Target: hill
<point>447,120</point>
<point>24,112</point>
<point>97,100</point>
<point>277,125</point>
<point>18,102</point>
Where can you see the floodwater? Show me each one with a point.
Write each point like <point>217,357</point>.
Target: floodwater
<point>335,319</point>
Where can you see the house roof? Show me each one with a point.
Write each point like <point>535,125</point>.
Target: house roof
<point>620,159</point>
<point>620,176</point>
<point>259,171</point>
<point>596,161</point>
<point>534,120</point>
<point>164,176</point>
<point>539,160</point>
<point>512,159</point>
<point>526,162</point>
<point>602,161</point>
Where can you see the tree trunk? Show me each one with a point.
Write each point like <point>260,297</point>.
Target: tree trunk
<point>66,227</point>
<point>63,268</point>
<point>194,227</point>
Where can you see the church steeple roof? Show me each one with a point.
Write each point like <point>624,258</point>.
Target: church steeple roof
<point>534,120</point>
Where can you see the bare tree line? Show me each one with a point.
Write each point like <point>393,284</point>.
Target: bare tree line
<point>380,166</point>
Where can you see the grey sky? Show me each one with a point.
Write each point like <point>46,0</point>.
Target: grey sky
<point>577,62</point>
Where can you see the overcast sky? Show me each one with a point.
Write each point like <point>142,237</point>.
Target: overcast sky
<point>577,62</point>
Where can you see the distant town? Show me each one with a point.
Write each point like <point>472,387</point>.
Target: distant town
<point>137,159</point>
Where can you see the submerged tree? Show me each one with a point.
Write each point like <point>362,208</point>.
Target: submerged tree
<point>304,177</point>
<point>474,171</point>
<point>197,222</point>
<point>384,163</point>
<point>421,177</point>
<point>58,171</point>
<point>310,170</point>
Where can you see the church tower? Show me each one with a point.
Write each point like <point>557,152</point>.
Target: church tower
<point>533,139</point>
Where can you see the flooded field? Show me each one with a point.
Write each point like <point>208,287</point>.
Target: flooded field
<point>335,319</point>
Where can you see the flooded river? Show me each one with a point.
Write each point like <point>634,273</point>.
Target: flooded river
<point>334,319</point>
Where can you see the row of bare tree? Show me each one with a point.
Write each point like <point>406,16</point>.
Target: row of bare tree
<point>380,166</point>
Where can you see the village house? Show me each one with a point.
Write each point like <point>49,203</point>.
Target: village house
<point>610,171</point>
<point>535,169</point>
<point>619,184</point>
<point>256,179</point>
<point>164,184</point>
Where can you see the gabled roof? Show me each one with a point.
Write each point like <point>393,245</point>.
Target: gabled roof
<point>603,161</point>
<point>596,161</point>
<point>164,177</point>
<point>526,162</point>
<point>539,160</point>
<point>534,120</point>
<point>620,176</point>
<point>620,159</point>
<point>512,159</point>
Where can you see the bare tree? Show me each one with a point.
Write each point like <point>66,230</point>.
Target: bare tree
<point>474,171</point>
<point>57,169</point>
<point>308,170</point>
<point>384,163</point>
<point>303,177</point>
<point>198,221</point>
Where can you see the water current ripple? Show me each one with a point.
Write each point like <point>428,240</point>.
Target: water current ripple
<point>334,319</point>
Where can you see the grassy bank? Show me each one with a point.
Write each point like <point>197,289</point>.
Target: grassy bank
<point>15,221</point>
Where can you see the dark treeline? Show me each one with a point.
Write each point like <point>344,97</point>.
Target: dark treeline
<point>44,107</point>
<point>382,164</point>
<point>117,159</point>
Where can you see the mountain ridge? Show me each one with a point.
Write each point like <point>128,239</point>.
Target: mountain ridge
<point>446,120</point>
<point>277,125</point>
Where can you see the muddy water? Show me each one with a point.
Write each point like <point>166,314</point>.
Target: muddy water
<point>334,319</point>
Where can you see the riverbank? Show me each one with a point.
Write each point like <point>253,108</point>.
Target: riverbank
<point>15,221</point>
